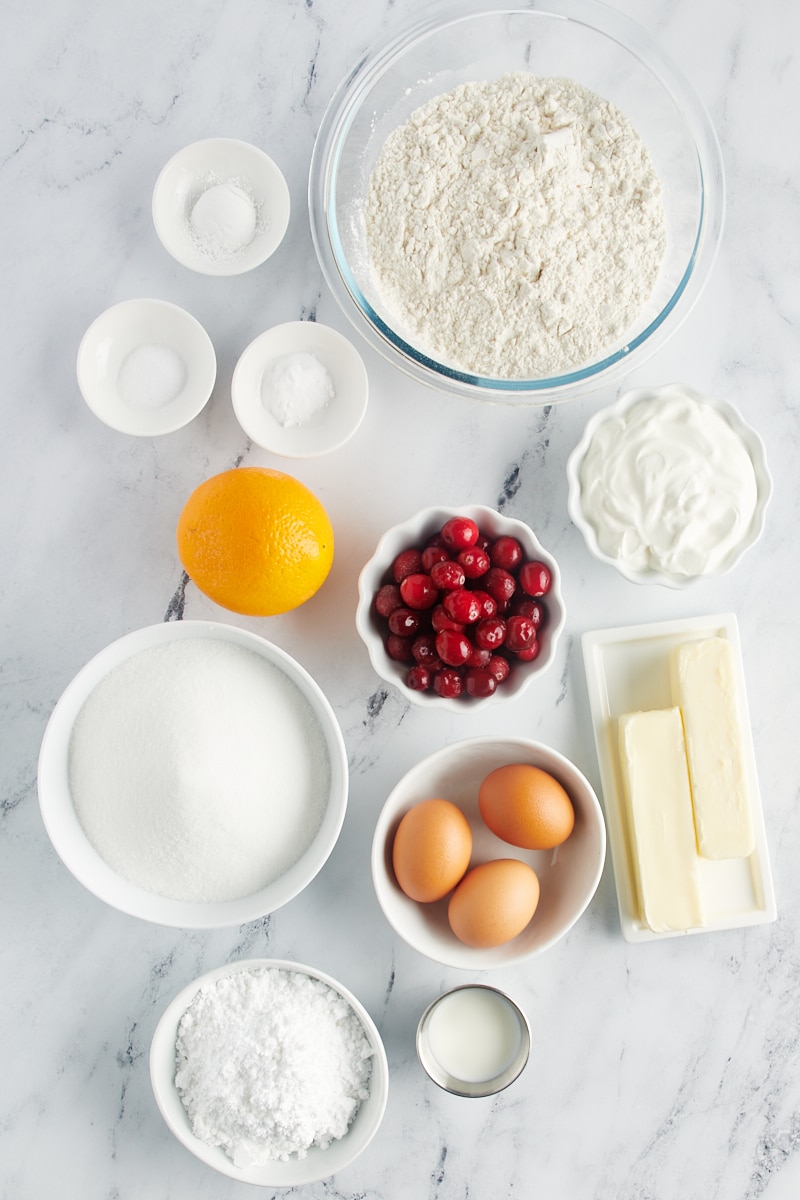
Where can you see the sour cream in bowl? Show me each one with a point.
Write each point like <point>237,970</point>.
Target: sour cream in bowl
<point>669,486</point>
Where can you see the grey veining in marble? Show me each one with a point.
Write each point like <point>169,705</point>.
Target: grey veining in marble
<point>664,1071</point>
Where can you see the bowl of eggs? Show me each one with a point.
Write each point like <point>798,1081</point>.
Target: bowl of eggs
<point>460,606</point>
<point>488,851</point>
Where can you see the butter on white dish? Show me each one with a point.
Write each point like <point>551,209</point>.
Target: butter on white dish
<point>704,687</point>
<point>656,780</point>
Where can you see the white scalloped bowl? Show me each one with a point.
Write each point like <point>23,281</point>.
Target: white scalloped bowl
<point>751,442</point>
<point>414,532</point>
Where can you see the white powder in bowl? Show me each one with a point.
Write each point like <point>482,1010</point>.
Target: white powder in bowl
<point>198,770</point>
<point>269,1063</point>
<point>150,377</point>
<point>223,217</point>
<point>515,227</point>
<point>295,387</point>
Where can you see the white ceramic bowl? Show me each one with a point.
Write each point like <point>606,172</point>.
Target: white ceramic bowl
<point>749,439</point>
<point>318,1164</point>
<point>568,875</point>
<point>414,532</point>
<point>472,40</point>
<point>217,162</point>
<point>327,429</point>
<point>162,331</point>
<point>82,859</point>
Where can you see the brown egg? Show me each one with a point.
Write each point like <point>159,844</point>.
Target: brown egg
<point>494,902</point>
<point>431,849</point>
<point>525,806</point>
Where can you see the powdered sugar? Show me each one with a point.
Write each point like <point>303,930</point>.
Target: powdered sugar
<point>269,1063</point>
<point>515,227</point>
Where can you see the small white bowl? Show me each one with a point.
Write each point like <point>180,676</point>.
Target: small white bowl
<point>568,875</point>
<point>158,329</point>
<point>414,532</point>
<point>750,441</point>
<point>330,427</point>
<point>318,1164</point>
<point>83,860</point>
<point>219,162</point>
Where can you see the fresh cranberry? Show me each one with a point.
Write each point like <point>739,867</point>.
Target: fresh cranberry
<point>480,683</point>
<point>490,633</point>
<point>447,683</point>
<point>483,542</point>
<point>462,606</point>
<point>479,657</point>
<point>460,532</point>
<point>448,575</point>
<point>408,562</point>
<point>530,652</point>
<point>520,633</point>
<point>423,649</point>
<point>499,583</point>
<point>387,599</point>
<point>435,539</point>
<point>441,620</point>
<point>474,561</point>
<point>419,678</point>
<point>404,622</point>
<point>418,591</point>
<point>453,648</point>
<point>535,578</point>
<point>499,667</point>
<point>398,648</point>
<point>526,606</point>
<point>506,552</point>
<point>431,555</point>
<point>488,603</point>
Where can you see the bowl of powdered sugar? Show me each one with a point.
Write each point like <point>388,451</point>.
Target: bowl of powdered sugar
<point>194,775</point>
<point>270,1072</point>
<point>516,203</point>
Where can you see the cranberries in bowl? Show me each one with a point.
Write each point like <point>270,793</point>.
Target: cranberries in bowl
<point>460,606</point>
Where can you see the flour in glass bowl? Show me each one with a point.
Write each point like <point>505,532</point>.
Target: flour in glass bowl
<point>515,227</point>
<point>270,1062</point>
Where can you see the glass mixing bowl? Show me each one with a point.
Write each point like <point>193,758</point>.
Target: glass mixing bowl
<point>578,39</point>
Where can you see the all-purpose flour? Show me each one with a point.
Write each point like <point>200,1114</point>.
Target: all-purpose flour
<point>515,227</point>
<point>198,770</point>
<point>270,1063</point>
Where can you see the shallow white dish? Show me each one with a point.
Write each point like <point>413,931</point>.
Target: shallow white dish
<point>414,532</point>
<point>627,669</point>
<point>85,863</point>
<point>318,1164</point>
<point>568,875</point>
<point>749,439</point>
<point>211,162</point>
<point>124,329</point>
<point>327,429</point>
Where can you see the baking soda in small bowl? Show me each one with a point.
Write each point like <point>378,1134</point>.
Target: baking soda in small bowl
<point>296,387</point>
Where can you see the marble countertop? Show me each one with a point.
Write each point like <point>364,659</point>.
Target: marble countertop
<point>661,1070</point>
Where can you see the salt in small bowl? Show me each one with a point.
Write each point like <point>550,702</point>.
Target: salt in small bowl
<point>329,427</point>
<point>146,367</point>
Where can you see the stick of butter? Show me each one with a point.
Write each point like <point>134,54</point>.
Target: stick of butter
<point>656,779</point>
<point>704,687</point>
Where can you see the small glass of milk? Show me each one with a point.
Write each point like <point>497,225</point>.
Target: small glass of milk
<point>473,1040</point>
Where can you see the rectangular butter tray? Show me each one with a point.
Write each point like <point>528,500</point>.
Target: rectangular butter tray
<point>627,670</point>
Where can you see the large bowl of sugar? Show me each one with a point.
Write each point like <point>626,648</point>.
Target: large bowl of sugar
<point>193,774</point>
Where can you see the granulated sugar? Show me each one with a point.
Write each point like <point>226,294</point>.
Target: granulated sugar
<point>269,1063</point>
<point>198,770</point>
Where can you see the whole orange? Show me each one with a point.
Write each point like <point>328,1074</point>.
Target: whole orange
<point>255,541</point>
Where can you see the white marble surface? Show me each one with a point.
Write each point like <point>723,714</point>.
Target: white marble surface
<point>658,1071</point>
